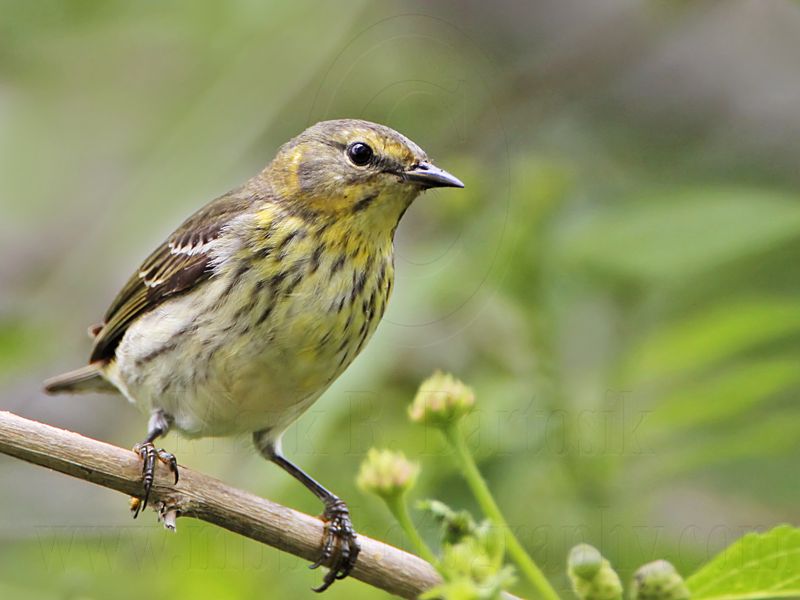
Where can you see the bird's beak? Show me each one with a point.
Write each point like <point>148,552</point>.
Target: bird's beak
<point>429,176</point>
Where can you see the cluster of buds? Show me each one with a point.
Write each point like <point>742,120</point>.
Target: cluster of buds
<point>472,569</point>
<point>387,474</point>
<point>592,576</point>
<point>658,580</point>
<point>441,401</point>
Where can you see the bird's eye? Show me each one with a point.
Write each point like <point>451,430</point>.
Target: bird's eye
<point>360,153</point>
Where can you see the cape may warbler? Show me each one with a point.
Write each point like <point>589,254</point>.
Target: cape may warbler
<point>243,317</point>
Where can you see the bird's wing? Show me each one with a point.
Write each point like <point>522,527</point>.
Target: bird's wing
<point>176,266</point>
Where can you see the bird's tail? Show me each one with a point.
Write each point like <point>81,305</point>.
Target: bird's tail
<point>79,381</point>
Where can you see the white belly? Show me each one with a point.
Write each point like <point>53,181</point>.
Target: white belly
<point>228,375</point>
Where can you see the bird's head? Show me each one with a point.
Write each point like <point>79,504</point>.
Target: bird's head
<point>352,169</point>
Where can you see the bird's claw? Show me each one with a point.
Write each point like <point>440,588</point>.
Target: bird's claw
<point>148,453</point>
<point>340,544</point>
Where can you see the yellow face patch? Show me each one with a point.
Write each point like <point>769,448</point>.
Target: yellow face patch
<point>316,173</point>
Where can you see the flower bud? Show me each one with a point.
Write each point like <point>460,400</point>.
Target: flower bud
<point>441,400</point>
<point>592,576</point>
<point>470,573</point>
<point>584,561</point>
<point>658,580</point>
<point>386,473</point>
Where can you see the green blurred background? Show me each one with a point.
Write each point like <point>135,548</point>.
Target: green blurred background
<point>618,281</point>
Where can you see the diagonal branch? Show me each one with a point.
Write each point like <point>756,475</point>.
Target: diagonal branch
<point>207,499</point>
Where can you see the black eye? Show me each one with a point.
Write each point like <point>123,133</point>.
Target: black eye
<point>360,153</point>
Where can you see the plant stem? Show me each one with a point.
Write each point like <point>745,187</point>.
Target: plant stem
<point>488,505</point>
<point>398,507</point>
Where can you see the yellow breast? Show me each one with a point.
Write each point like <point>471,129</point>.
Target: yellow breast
<point>320,294</point>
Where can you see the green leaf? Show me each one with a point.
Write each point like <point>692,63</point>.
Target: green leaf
<point>769,435</point>
<point>685,233</point>
<point>705,339</point>
<point>756,566</point>
<point>456,525</point>
<point>728,394</point>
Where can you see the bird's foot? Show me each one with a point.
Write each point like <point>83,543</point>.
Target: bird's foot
<point>340,544</point>
<point>149,454</point>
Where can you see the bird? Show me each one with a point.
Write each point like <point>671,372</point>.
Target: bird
<point>243,317</point>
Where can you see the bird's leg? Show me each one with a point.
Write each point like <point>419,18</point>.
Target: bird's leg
<point>158,426</point>
<point>340,538</point>
<point>340,541</point>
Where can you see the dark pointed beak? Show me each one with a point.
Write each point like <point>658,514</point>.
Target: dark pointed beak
<point>429,176</point>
